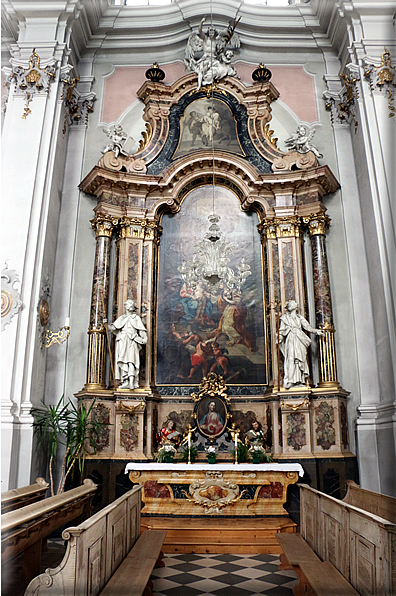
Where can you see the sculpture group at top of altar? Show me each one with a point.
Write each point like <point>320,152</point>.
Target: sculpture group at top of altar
<point>294,343</point>
<point>215,62</point>
<point>130,335</point>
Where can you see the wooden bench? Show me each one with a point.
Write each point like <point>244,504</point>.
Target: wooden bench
<point>381,505</point>
<point>20,497</point>
<point>132,578</point>
<point>360,544</point>
<point>23,530</point>
<point>95,549</point>
<point>315,577</point>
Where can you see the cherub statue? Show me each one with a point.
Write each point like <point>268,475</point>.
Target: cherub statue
<point>300,141</point>
<point>214,64</point>
<point>117,138</point>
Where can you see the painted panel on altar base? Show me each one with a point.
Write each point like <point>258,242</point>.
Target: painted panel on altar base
<point>232,321</point>
<point>205,121</point>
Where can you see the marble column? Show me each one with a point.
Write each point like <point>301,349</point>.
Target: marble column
<point>103,226</point>
<point>283,256</point>
<point>317,225</point>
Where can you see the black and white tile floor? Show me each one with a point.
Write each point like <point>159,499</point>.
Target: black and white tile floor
<point>222,575</point>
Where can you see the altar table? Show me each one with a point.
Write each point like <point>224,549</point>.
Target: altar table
<point>214,489</point>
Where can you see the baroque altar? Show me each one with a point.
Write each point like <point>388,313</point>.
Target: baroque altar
<point>205,146</point>
<point>219,489</point>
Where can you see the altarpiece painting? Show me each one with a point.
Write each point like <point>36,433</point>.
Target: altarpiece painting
<point>202,328</point>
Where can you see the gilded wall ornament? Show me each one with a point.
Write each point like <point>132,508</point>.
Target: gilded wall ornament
<point>31,79</point>
<point>341,105</point>
<point>382,77</point>
<point>10,296</point>
<point>78,105</point>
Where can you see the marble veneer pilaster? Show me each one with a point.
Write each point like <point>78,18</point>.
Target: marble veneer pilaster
<point>317,226</point>
<point>103,226</point>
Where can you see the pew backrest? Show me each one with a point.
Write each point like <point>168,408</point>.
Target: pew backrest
<point>20,497</point>
<point>358,543</point>
<point>94,550</point>
<point>381,505</point>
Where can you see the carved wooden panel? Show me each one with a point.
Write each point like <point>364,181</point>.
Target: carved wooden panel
<point>116,539</point>
<point>363,559</point>
<point>96,563</point>
<point>331,529</point>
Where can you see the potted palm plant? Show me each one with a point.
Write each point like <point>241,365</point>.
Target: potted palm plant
<point>70,426</point>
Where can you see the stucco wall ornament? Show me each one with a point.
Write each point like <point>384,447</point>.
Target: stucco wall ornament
<point>78,105</point>
<point>30,80</point>
<point>302,154</point>
<point>209,54</point>
<point>300,141</point>
<point>382,77</point>
<point>10,296</point>
<point>117,137</point>
<point>341,105</point>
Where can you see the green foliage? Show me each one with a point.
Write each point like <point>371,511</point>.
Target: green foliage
<point>183,455</point>
<point>68,425</point>
<point>242,453</point>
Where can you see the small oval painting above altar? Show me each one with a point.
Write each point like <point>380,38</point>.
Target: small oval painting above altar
<point>211,417</point>
<point>206,123</point>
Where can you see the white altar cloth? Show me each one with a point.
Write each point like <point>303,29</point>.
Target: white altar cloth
<point>272,467</point>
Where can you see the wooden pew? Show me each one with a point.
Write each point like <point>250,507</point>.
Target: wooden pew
<point>381,505</point>
<point>132,578</point>
<point>360,544</point>
<point>23,530</point>
<point>95,550</point>
<point>315,576</point>
<point>20,497</point>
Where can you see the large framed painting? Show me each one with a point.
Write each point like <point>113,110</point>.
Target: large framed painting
<point>203,328</point>
<point>207,122</point>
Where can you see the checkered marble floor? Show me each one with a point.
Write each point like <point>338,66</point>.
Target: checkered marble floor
<point>222,575</point>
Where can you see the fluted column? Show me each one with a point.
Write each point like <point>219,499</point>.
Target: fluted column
<point>103,226</point>
<point>317,225</point>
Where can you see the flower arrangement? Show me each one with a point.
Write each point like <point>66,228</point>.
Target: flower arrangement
<point>211,454</point>
<point>258,454</point>
<point>165,454</point>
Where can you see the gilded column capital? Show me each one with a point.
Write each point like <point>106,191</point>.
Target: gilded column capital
<point>139,227</point>
<point>280,227</point>
<point>103,224</point>
<point>317,223</point>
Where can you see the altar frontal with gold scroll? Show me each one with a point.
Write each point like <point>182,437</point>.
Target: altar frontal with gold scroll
<point>218,489</point>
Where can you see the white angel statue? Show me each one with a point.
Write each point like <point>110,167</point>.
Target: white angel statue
<point>117,138</point>
<point>215,62</point>
<point>300,141</point>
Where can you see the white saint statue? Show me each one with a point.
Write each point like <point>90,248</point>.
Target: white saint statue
<point>294,343</point>
<point>130,334</point>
